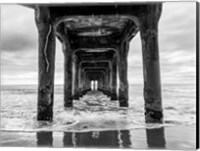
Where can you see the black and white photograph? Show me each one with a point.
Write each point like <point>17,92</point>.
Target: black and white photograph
<point>120,75</point>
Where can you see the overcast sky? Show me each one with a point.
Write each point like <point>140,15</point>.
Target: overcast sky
<point>19,54</point>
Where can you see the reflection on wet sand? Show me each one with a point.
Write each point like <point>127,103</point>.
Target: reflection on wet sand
<point>155,138</point>
<point>44,139</point>
<point>104,139</point>
<point>68,139</point>
<point>91,139</point>
<point>125,138</point>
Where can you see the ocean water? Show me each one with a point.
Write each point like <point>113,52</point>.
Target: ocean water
<point>95,121</point>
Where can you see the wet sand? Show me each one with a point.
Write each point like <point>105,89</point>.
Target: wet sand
<point>179,137</point>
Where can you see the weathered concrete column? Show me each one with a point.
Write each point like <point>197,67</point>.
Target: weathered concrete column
<point>76,82</point>
<point>114,79</point>
<point>68,99</point>
<point>81,79</point>
<point>107,81</point>
<point>100,82</point>
<point>88,82</point>
<point>109,84</point>
<point>123,73</point>
<point>151,67</point>
<point>46,64</point>
<point>84,82</point>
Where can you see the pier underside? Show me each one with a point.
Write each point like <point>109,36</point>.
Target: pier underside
<point>95,40</point>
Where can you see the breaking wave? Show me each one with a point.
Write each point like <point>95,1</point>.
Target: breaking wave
<point>92,112</point>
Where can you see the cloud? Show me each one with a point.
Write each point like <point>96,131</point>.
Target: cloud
<point>17,43</point>
<point>177,27</point>
<point>19,55</point>
<point>16,24</point>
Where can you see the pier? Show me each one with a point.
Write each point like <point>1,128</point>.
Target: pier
<point>95,41</point>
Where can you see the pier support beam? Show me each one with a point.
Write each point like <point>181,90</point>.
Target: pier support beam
<point>68,99</point>
<point>76,82</point>
<point>151,67</point>
<point>88,83</point>
<point>107,86</point>
<point>114,79</point>
<point>100,82</point>
<point>123,73</point>
<point>84,81</point>
<point>81,80</point>
<point>46,64</point>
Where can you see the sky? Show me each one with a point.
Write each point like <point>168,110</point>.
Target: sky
<point>177,47</point>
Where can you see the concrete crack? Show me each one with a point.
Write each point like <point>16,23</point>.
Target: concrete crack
<point>45,48</point>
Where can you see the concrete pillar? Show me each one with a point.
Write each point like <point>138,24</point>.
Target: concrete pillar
<point>123,73</point>
<point>100,82</point>
<point>46,66</point>
<point>88,83</point>
<point>151,66</point>
<point>107,83</point>
<point>114,79</point>
<point>76,81</point>
<point>85,82</point>
<point>81,79</point>
<point>68,99</point>
<point>104,83</point>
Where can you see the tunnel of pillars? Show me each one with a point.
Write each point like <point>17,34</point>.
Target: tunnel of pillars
<point>95,73</point>
<point>95,41</point>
